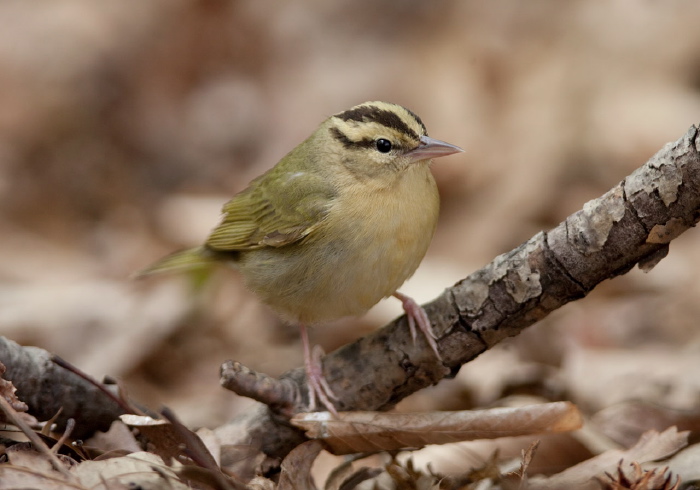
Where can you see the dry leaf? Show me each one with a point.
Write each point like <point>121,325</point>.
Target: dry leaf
<point>261,483</point>
<point>245,460</point>
<point>346,477</point>
<point>655,374</point>
<point>652,446</point>
<point>624,423</point>
<point>163,440</point>
<point>339,474</point>
<point>15,477</point>
<point>296,467</point>
<point>211,442</point>
<point>118,438</point>
<point>206,478</point>
<point>166,440</point>
<point>7,391</point>
<point>358,477</point>
<point>358,432</point>
<point>25,455</point>
<point>137,470</point>
<point>685,463</point>
<point>29,468</point>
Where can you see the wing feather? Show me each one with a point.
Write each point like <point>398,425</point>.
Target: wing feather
<point>279,208</point>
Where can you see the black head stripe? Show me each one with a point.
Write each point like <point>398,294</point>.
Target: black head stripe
<point>418,120</point>
<point>370,113</point>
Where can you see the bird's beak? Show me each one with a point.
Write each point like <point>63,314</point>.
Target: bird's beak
<point>432,148</point>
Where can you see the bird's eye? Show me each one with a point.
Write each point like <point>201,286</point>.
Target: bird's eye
<point>383,145</point>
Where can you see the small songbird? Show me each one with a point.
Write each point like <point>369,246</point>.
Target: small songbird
<point>338,224</point>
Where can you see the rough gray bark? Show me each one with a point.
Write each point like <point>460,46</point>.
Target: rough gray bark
<point>631,224</point>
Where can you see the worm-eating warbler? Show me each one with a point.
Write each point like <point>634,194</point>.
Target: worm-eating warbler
<point>338,224</point>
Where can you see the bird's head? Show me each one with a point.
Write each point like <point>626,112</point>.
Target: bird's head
<point>376,139</point>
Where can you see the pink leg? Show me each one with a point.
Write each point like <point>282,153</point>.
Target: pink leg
<point>417,316</point>
<point>316,383</point>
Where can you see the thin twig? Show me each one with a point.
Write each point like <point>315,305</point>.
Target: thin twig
<point>34,439</point>
<point>70,425</point>
<point>124,404</point>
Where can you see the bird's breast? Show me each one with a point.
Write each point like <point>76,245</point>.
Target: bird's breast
<point>369,244</point>
<point>377,239</point>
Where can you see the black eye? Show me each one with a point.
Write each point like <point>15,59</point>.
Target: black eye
<point>383,145</point>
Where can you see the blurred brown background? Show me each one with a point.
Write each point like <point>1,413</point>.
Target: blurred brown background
<point>125,125</point>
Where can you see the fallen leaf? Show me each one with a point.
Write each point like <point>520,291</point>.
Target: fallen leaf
<point>168,441</point>
<point>624,423</point>
<point>652,446</point>
<point>363,432</point>
<point>296,467</point>
<point>137,470</point>
<point>346,477</point>
<point>685,463</point>
<point>7,391</point>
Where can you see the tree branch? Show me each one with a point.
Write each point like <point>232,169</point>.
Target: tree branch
<point>631,224</point>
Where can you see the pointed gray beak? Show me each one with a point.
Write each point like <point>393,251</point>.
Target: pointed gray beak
<point>432,148</point>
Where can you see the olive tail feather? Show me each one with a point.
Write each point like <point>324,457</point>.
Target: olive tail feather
<point>182,261</point>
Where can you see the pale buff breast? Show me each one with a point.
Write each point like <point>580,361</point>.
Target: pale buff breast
<point>371,243</point>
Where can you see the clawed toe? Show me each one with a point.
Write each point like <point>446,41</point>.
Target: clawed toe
<point>417,317</point>
<point>317,385</point>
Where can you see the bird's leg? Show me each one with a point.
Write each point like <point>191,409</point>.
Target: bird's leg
<point>418,317</point>
<point>316,383</point>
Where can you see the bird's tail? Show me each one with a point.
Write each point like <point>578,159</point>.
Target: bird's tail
<point>185,260</point>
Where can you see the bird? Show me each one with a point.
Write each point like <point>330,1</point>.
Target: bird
<point>338,224</point>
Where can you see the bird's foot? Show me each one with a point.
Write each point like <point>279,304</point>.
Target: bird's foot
<point>418,317</point>
<point>317,384</point>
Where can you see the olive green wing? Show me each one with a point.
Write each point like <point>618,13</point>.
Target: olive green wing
<point>277,209</point>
